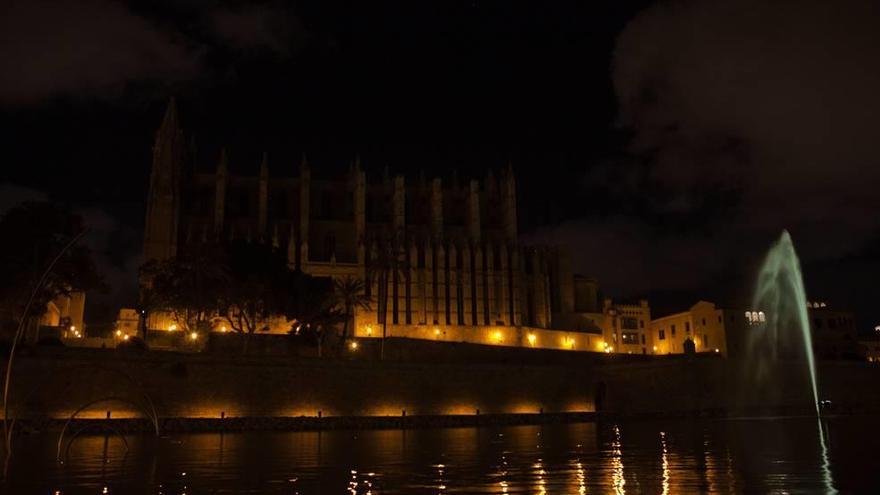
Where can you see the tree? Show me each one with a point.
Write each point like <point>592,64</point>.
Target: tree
<point>312,305</point>
<point>187,286</point>
<point>350,295</point>
<point>33,234</point>
<point>258,287</point>
<point>388,265</point>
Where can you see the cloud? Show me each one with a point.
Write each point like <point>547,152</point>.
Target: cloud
<point>97,47</point>
<point>116,250</point>
<point>53,48</point>
<point>13,195</point>
<point>746,117</point>
<point>257,28</point>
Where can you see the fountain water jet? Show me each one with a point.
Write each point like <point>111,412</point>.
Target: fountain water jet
<point>781,298</point>
<point>780,294</point>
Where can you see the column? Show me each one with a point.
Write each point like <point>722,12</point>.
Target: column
<point>467,310</point>
<point>429,298</point>
<point>441,288</point>
<point>453,288</point>
<point>504,296</point>
<point>360,222</point>
<point>490,303</point>
<point>413,298</point>
<point>481,310</point>
<point>516,287</point>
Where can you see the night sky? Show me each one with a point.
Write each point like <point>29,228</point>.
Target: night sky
<point>666,143</point>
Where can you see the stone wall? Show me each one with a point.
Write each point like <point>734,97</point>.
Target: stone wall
<point>53,382</point>
<point>58,381</point>
<point>686,385</point>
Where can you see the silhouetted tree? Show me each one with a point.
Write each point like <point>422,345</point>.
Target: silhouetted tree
<point>350,296</point>
<point>387,266</point>
<point>188,286</point>
<point>312,306</point>
<point>33,234</point>
<point>258,287</point>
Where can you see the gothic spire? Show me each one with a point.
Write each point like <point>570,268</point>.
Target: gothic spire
<point>170,122</point>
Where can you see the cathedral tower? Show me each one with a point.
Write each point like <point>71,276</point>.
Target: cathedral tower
<point>163,200</point>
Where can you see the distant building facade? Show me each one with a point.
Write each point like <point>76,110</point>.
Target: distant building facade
<point>727,331</point>
<point>704,324</point>
<point>467,277</point>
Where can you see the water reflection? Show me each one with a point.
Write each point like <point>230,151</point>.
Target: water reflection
<point>638,457</point>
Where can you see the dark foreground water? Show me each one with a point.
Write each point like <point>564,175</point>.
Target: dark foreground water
<point>686,456</point>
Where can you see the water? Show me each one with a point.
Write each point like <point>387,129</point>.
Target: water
<point>784,326</point>
<point>687,456</point>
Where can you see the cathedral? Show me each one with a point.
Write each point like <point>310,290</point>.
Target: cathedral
<point>467,278</point>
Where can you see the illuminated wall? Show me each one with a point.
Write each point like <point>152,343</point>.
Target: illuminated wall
<point>207,386</point>
<point>366,326</point>
<point>704,324</point>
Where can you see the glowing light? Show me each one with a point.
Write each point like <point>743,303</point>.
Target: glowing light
<point>119,333</point>
<point>568,342</point>
<point>601,345</point>
<point>437,332</point>
<point>498,336</point>
<point>73,328</point>
<point>125,337</point>
<point>353,345</point>
<point>172,328</point>
<point>532,339</point>
<point>617,479</point>
<point>369,330</point>
<point>223,328</point>
<point>655,348</point>
<point>193,336</point>
<point>717,350</point>
<point>664,462</point>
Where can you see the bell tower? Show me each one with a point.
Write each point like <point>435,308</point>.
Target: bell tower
<point>163,199</point>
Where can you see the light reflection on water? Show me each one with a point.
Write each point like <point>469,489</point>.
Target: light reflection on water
<point>632,457</point>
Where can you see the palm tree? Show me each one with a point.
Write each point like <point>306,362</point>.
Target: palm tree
<point>349,293</point>
<point>390,262</point>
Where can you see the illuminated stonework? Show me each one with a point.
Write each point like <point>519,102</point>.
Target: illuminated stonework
<point>461,264</point>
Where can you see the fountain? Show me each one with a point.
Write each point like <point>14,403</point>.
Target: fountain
<point>780,302</point>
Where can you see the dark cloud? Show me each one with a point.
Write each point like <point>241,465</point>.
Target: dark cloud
<point>97,47</point>
<point>746,117</point>
<point>56,48</point>
<point>13,195</point>
<point>257,28</point>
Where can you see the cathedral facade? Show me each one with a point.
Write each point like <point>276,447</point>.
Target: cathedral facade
<point>466,277</point>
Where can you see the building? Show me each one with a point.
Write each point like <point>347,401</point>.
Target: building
<point>727,331</point>
<point>625,327</point>
<point>704,324</point>
<point>467,277</point>
<point>65,313</point>
<point>833,330</point>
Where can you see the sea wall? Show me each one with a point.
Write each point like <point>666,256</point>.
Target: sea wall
<point>734,387</point>
<point>55,382</point>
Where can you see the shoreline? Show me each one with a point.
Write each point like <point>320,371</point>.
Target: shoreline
<point>335,423</point>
